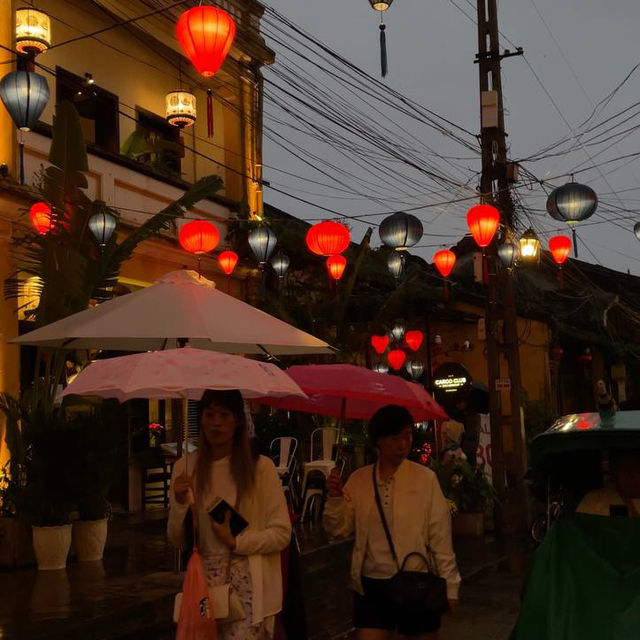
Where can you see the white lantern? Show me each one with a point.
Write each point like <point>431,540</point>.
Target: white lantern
<point>180,108</point>
<point>33,31</point>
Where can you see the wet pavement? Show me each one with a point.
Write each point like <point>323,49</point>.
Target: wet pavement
<point>130,594</point>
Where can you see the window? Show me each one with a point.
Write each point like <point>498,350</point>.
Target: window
<point>98,109</point>
<point>162,148</point>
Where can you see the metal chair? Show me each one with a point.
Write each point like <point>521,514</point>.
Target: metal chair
<point>322,441</point>
<point>283,453</point>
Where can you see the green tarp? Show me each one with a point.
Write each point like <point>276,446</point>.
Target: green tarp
<point>584,583</point>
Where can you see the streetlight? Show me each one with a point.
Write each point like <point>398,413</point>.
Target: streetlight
<point>529,246</point>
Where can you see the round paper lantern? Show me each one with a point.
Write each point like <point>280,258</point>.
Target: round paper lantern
<point>483,221</point>
<point>206,34</point>
<point>552,210</point>
<point>262,242</point>
<point>380,343</point>
<point>415,368</point>
<point>508,254</point>
<point>395,264</point>
<point>380,5</point>
<point>574,202</point>
<point>199,237</point>
<point>328,238</point>
<point>228,260</point>
<point>25,95</point>
<point>280,263</point>
<point>400,230</point>
<point>41,218</point>
<point>397,331</point>
<point>381,367</point>
<point>396,359</point>
<point>336,266</point>
<point>180,108</point>
<point>560,247</point>
<point>33,31</point>
<point>414,339</point>
<point>102,224</point>
<point>444,261</point>
<point>636,229</point>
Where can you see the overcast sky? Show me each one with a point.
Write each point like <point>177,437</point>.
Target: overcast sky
<point>432,45</point>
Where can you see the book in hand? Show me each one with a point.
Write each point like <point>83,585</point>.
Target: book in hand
<point>219,512</point>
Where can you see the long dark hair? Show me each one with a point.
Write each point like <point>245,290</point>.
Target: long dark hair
<point>243,463</point>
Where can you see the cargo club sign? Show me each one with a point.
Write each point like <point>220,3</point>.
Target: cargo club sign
<point>451,383</point>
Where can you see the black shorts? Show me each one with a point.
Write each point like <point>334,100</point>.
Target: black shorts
<point>374,610</point>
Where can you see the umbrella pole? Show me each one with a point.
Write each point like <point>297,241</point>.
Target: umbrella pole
<point>343,413</point>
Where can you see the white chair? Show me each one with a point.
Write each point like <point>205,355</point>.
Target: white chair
<point>313,497</point>
<point>283,453</point>
<point>322,441</point>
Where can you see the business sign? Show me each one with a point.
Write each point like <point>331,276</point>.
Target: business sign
<point>451,383</point>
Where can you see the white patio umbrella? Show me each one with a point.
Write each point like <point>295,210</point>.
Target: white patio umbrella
<point>178,306</point>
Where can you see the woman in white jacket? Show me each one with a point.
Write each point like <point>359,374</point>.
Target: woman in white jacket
<point>417,516</point>
<point>224,467</point>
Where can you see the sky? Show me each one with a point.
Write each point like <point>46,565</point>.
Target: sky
<point>576,53</point>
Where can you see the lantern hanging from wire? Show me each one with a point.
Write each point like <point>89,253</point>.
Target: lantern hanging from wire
<point>529,246</point>
<point>400,231</point>
<point>483,221</point>
<point>33,31</point>
<point>636,230</point>
<point>228,260</point>
<point>575,203</point>
<point>508,254</point>
<point>102,224</point>
<point>41,217</point>
<point>280,263</point>
<point>381,6</point>
<point>444,261</point>
<point>25,95</point>
<point>381,367</point>
<point>560,247</point>
<point>199,237</point>
<point>328,238</point>
<point>396,358</point>
<point>414,339</point>
<point>336,266</point>
<point>552,209</point>
<point>380,343</point>
<point>397,331</point>
<point>262,242</point>
<point>395,264</point>
<point>415,368</point>
<point>180,108</point>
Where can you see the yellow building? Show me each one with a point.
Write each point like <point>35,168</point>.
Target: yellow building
<point>117,70</point>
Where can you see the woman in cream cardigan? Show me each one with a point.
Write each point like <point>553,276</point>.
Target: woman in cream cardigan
<point>417,516</point>
<point>224,467</point>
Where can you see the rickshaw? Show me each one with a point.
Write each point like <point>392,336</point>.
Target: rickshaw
<point>585,578</point>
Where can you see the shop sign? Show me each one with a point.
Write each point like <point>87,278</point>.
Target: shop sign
<point>451,382</point>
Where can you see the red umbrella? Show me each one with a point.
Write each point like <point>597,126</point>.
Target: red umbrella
<point>356,393</point>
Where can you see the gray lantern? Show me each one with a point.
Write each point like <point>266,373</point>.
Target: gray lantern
<point>508,253</point>
<point>262,242</point>
<point>574,202</point>
<point>280,263</point>
<point>415,368</point>
<point>395,264</point>
<point>397,331</point>
<point>400,231</point>
<point>102,224</point>
<point>552,210</point>
<point>25,95</point>
<point>636,229</point>
<point>381,367</point>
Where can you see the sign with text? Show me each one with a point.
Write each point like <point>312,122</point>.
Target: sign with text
<point>451,383</point>
<point>503,384</point>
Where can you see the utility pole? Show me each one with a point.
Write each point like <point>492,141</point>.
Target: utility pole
<point>501,323</point>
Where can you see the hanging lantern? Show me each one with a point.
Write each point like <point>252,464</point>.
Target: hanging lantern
<point>33,31</point>
<point>25,95</point>
<point>380,6</point>
<point>380,343</point>
<point>262,242</point>
<point>395,264</point>
<point>636,229</point>
<point>280,263</point>
<point>415,368</point>
<point>381,367</point>
<point>444,261</point>
<point>336,266</point>
<point>552,209</point>
<point>508,255</point>
<point>414,339</point>
<point>529,246</point>
<point>180,108</point>
<point>199,237</point>
<point>560,247</point>
<point>328,238</point>
<point>206,34</point>
<point>396,358</point>
<point>483,221</point>
<point>400,231</point>
<point>398,331</point>
<point>228,260</point>
<point>41,217</point>
<point>102,224</point>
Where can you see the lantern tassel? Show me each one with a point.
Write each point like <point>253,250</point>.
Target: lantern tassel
<point>445,287</point>
<point>383,51</point>
<point>561,277</point>
<point>575,242</point>
<point>21,160</point>
<point>209,113</point>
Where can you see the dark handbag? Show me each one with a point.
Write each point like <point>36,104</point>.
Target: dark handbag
<point>414,592</point>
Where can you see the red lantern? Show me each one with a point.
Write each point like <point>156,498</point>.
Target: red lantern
<point>380,343</point>
<point>205,34</point>
<point>228,261</point>
<point>336,266</point>
<point>414,339</point>
<point>328,238</point>
<point>40,214</point>
<point>560,247</point>
<point>483,221</point>
<point>396,358</point>
<point>199,236</point>
<point>444,261</point>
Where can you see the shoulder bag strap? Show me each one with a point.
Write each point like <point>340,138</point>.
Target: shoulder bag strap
<point>385,526</point>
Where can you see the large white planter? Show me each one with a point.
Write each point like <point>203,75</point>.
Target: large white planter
<point>89,539</point>
<point>51,545</point>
